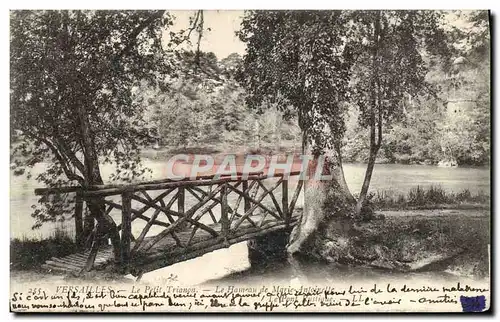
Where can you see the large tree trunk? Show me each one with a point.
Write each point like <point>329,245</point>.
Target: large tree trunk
<point>97,208</point>
<point>327,216</point>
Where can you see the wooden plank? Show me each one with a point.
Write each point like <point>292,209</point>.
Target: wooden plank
<point>78,255</point>
<point>76,258</point>
<point>63,265</point>
<point>68,260</point>
<point>57,268</point>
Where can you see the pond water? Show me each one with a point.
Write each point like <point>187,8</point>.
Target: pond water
<point>388,177</point>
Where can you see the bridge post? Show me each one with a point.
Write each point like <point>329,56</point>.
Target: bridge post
<point>224,220</point>
<point>126,230</point>
<point>284,201</point>
<point>79,219</point>
<point>245,200</point>
<point>181,200</point>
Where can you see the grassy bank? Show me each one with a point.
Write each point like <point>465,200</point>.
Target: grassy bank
<point>457,243</point>
<point>30,253</point>
<point>433,197</point>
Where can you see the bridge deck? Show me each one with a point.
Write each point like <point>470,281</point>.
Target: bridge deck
<point>168,251</point>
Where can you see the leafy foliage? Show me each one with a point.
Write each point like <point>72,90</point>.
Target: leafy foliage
<point>450,120</point>
<point>298,62</point>
<point>206,106</point>
<point>390,68</point>
<point>73,75</point>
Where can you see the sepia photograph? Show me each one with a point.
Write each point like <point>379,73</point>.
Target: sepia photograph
<point>256,161</point>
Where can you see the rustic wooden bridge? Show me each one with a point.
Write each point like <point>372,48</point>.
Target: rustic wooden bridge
<point>164,222</point>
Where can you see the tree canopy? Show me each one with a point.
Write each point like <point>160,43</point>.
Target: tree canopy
<point>74,79</point>
<point>65,62</point>
<point>298,61</point>
<point>314,63</point>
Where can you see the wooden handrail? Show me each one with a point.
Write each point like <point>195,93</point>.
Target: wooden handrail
<point>69,189</point>
<point>100,190</point>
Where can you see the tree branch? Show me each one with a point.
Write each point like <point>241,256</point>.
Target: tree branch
<point>64,163</point>
<point>67,151</point>
<point>133,36</point>
<point>74,160</point>
<point>200,34</point>
<point>191,29</point>
<point>132,39</point>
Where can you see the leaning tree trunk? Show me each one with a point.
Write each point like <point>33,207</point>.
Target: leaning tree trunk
<point>327,216</point>
<point>363,195</point>
<point>375,123</point>
<point>106,226</point>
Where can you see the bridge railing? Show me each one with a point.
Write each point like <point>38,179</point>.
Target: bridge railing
<point>177,221</point>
